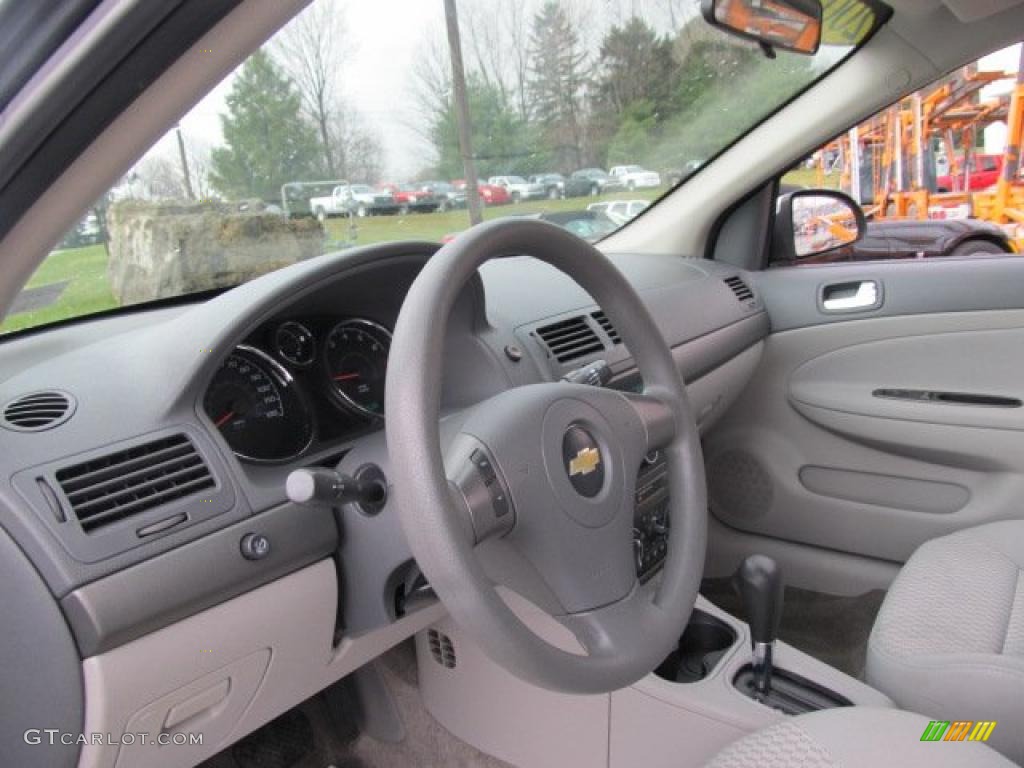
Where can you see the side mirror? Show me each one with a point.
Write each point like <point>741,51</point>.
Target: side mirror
<point>788,25</point>
<point>811,222</point>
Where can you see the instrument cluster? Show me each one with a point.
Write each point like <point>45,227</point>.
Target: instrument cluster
<point>299,383</point>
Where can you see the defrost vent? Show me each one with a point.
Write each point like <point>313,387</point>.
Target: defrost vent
<point>38,411</point>
<point>126,483</point>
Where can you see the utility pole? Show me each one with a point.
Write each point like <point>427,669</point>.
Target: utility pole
<point>462,112</point>
<point>184,164</point>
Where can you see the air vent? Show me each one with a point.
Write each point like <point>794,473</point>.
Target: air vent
<point>128,482</point>
<point>38,411</point>
<point>741,289</point>
<point>607,327</point>
<point>441,648</point>
<point>570,339</point>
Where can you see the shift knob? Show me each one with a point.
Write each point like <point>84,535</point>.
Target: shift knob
<point>759,579</point>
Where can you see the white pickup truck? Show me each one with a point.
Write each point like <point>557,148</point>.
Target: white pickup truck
<point>635,177</point>
<point>360,199</point>
<point>519,188</point>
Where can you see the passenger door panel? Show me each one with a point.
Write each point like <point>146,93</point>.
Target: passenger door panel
<point>872,431</point>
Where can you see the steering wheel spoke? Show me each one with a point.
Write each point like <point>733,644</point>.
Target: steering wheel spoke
<point>657,417</point>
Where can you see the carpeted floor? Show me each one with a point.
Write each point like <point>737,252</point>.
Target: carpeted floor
<point>832,629</point>
<point>309,736</point>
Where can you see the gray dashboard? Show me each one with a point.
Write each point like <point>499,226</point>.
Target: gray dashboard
<point>136,382</point>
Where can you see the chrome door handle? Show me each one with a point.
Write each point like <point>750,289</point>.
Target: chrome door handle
<point>852,296</point>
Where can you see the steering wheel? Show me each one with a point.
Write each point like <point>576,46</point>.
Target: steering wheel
<point>533,488</point>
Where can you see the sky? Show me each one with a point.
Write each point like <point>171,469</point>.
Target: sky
<point>387,37</point>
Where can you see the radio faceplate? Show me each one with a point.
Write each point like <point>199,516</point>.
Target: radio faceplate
<point>650,516</point>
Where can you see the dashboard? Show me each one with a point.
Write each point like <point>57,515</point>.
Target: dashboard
<point>183,423</point>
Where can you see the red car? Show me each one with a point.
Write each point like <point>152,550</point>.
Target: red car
<point>984,172</point>
<point>490,194</point>
<point>409,198</point>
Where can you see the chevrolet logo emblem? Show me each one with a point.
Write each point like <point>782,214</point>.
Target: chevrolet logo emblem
<point>586,461</point>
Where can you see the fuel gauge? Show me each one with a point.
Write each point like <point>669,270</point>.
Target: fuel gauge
<point>295,344</point>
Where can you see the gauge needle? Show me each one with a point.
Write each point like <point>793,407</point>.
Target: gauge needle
<point>346,376</point>
<point>224,419</point>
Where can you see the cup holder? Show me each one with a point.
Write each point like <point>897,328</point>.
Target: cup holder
<point>704,642</point>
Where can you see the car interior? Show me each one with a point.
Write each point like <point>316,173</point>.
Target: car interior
<point>670,498</point>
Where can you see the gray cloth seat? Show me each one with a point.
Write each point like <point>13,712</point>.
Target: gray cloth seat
<point>853,737</point>
<point>949,638</point>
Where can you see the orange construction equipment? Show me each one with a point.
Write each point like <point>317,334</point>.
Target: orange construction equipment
<point>897,140</point>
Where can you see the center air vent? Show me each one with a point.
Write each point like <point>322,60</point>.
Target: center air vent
<point>741,289</point>
<point>131,481</point>
<point>38,411</point>
<point>570,339</point>
<point>607,327</point>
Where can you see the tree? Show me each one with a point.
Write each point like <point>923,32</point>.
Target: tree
<point>558,78</point>
<point>267,140</point>
<point>636,65</point>
<point>502,142</point>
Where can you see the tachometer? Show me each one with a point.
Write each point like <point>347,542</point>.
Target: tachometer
<point>254,403</point>
<point>356,360</point>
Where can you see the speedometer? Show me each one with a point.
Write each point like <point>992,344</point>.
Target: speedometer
<point>255,405</point>
<point>356,360</point>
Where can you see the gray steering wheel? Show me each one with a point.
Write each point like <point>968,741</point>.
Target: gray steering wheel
<point>533,488</point>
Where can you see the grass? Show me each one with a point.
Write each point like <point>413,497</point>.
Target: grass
<point>808,177</point>
<point>88,288</point>
<point>434,226</point>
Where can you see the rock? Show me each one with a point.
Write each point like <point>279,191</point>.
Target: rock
<point>169,249</point>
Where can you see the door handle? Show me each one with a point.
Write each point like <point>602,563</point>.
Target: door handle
<point>855,296</point>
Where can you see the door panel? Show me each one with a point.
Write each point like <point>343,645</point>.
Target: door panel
<point>870,432</point>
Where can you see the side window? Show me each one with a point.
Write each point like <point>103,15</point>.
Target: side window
<point>925,172</point>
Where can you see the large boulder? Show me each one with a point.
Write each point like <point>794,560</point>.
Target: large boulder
<point>169,249</point>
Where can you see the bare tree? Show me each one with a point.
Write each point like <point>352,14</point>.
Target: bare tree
<point>157,177</point>
<point>311,49</point>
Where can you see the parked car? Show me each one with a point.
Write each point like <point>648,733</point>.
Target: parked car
<point>490,194</point>
<point>554,183</point>
<point>411,198</point>
<point>448,196</point>
<point>588,225</point>
<point>635,177</point>
<point>591,181</point>
<point>519,188</point>
<point>360,199</point>
<point>983,172</point>
<point>619,211</point>
<point>677,176</point>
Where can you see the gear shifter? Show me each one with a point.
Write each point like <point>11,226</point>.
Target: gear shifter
<point>759,580</point>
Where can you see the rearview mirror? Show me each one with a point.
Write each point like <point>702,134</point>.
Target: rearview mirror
<point>788,25</point>
<point>810,222</point>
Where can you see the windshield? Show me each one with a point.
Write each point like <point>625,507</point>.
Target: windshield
<point>361,94</point>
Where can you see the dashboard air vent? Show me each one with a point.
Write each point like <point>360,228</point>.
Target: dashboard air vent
<point>741,289</point>
<point>606,325</point>
<point>570,339</point>
<point>37,411</point>
<point>128,482</point>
